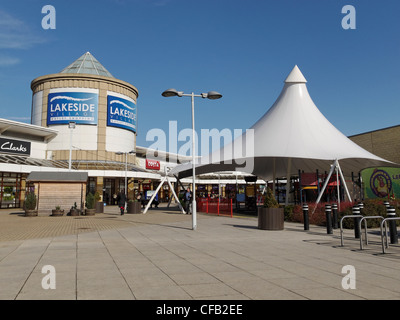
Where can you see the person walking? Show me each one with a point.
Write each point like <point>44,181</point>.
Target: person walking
<point>121,201</point>
<point>142,200</point>
<point>187,198</point>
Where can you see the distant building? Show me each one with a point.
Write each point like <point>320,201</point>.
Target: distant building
<point>381,182</point>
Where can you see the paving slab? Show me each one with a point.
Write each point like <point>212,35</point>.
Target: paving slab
<point>158,256</point>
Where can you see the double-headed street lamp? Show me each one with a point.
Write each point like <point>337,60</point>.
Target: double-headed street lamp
<point>213,95</point>
<point>126,169</point>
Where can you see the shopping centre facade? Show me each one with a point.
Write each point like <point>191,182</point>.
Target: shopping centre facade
<point>84,119</point>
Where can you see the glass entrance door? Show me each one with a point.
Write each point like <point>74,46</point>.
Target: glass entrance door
<point>109,192</point>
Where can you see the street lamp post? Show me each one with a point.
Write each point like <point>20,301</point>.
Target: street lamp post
<point>71,126</point>
<point>213,95</point>
<point>126,170</point>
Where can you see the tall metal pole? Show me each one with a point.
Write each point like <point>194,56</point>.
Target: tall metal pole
<point>70,149</point>
<point>126,176</point>
<point>71,126</point>
<point>194,209</point>
<point>213,95</point>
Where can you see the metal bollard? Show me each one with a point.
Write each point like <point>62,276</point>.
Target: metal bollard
<point>305,215</point>
<point>386,204</point>
<point>391,213</point>
<point>356,210</point>
<point>328,219</point>
<point>335,223</point>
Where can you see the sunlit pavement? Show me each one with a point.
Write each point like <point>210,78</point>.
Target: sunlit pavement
<point>157,255</point>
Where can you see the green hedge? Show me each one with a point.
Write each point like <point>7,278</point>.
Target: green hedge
<point>372,207</point>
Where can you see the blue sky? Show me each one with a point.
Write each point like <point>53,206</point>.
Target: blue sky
<point>242,49</point>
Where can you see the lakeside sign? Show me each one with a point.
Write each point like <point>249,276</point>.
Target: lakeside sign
<point>121,113</point>
<point>79,107</point>
<point>15,147</point>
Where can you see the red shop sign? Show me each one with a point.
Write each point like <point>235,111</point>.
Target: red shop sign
<point>152,164</point>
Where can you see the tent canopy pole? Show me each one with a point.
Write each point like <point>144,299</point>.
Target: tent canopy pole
<point>288,181</point>
<point>335,166</point>
<point>158,189</point>
<point>344,182</point>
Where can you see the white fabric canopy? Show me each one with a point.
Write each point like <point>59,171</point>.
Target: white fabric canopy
<point>292,135</point>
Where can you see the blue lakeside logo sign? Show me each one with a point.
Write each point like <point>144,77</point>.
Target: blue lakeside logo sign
<point>121,113</point>
<point>79,107</point>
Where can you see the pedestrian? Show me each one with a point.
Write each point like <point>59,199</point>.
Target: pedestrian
<point>142,200</point>
<point>186,198</point>
<point>121,201</point>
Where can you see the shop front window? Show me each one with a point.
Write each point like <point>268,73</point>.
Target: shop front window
<point>92,185</point>
<point>10,190</point>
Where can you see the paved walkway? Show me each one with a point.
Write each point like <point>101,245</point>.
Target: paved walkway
<point>158,256</point>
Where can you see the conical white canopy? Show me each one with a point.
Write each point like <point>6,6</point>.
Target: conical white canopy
<point>292,135</point>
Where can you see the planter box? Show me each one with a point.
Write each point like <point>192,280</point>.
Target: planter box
<point>57,213</point>
<point>31,213</point>
<point>134,207</point>
<point>90,212</point>
<point>75,212</point>
<point>270,218</point>
<point>100,207</point>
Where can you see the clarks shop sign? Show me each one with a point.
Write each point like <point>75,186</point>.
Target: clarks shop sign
<point>15,146</point>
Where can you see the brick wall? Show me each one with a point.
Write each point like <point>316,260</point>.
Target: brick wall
<point>384,143</point>
<point>64,195</point>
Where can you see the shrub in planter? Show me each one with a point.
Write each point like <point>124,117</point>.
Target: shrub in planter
<point>269,200</point>
<point>98,205</point>
<point>57,212</point>
<point>30,205</point>
<point>90,203</point>
<point>270,216</point>
<point>74,210</point>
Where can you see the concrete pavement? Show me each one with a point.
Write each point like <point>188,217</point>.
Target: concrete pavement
<point>158,256</point>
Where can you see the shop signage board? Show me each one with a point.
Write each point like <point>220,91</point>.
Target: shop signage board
<point>121,113</point>
<point>381,182</point>
<point>79,107</point>
<point>149,194</point>
<point>152,164</point>
<point>12,146</point>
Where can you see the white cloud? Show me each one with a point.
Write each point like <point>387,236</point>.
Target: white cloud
<point>6,61</point>
<point>22,119</point>
<point>15,34</point>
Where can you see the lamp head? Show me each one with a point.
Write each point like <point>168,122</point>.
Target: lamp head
<point>172,93</point>
<point>214,95</point>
